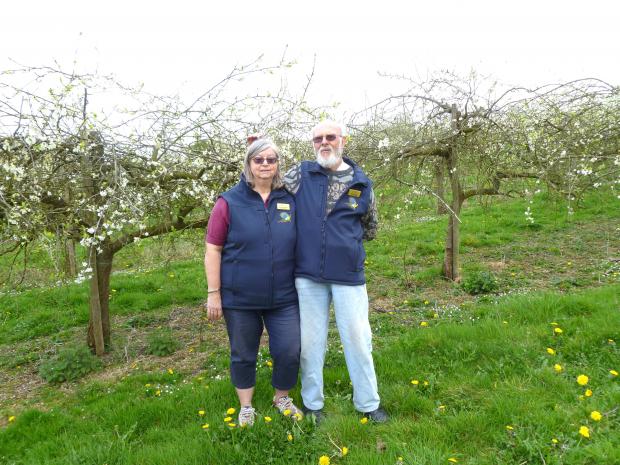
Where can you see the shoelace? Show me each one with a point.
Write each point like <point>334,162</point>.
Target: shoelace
<point>286,403</point>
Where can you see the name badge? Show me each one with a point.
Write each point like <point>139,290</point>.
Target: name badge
<point>283,206</point>
<point>354,193</point>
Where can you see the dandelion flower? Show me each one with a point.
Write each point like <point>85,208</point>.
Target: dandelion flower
<point>324,460</point>
<point>452,460</point>
<point>158,392</point>
<point>400,459</point>
<point>426,383</point>
<point>596,415</point>
<point>170,371</point>
<point>582,380</point>
<point>269,363</point>
<point>554,441</point>
<point>435,315</point>
<point>509,428</point>
<point>442,408</point>
<point>557,330</point>
<point>364,420</point>
<point>558,368</point>
<point>230,411</point>
<point>227,419</point>
<point>613,372</point>
<point>550,351</point>
<point>231,425</point>
<point>205,426</point>
<point>344,451</point>
<point>201,412</point>
<point>584,431</point>
<point>588,393</point>
<point>415,382</point>
<point>424,324</point>
<point>426,302</point>
<point>553,323</point>
<point>289,437</point>
<point>11,418</point>
<point>267,419</point>
<point>286,412</point>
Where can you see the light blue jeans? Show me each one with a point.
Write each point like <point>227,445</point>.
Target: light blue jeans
<point>351,309</point>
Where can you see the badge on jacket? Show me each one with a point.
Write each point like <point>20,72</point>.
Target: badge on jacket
<point>354,193</point>
<point>283,206</point>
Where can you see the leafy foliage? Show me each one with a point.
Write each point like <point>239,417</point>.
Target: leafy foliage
<point>480,282</point>
<point>69,364</point>
<point>162,342</point>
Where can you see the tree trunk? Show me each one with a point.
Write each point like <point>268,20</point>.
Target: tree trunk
<point>99,323</point>
<point>70,264</point>
<point>451,255</point>
<point>440,188</point>
<point>95,325</point>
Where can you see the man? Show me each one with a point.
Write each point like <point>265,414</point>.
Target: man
<point>335,211</point>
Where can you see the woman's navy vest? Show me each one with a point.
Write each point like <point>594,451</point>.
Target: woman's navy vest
<point>329,247</point>
<point>258,258</point>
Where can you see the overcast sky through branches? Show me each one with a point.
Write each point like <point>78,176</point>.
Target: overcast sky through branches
<point>184,47</point>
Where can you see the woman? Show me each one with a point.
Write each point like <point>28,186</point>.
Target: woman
<point>249,262</point>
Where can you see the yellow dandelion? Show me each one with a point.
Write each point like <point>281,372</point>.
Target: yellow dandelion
<point>582,380</point>
<point>201,412</point>
<point>426,302</point>
<point>452,460</point>
<point>424,324</point>
<point>611,341</point>
<point>11,418</point>
<point>269,363</point>
<point>584,431</point>
<point>227,419</point>
<point>415,382</point>
<point>509,428</point>
<point>170,371</point>
<point>588,393</point>
<point>400,459</point>
<point>504,322</point>
<point>553,323</point>
<point>205,426</point>
<point>231,425</point>
<point>323,460</point>
<point>554,441</point>
<point>442,408</point>
<point>171,275</point>
<point>558,368</point>
<point>158,392</point>
<point>613,372</point>
<point>344,451</point>
<point>148,385</point>
<point>289,437</point>
<point>286,412</point>
<point>596,415</point>
<point>550,351</point>
<point>435,315</point>
<point>267,419</point>
<point>297,416</point>
<point>364,420</point>
<point>557,330</point>
<point>230,411</point>
<point>569,263</point>
<point>426,383</point>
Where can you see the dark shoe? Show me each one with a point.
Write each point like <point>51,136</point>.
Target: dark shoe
<point>378,416</point>
<point>315,416</point>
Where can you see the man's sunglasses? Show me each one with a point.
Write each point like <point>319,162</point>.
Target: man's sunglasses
<point>261,160</point>
<point>327,137</point>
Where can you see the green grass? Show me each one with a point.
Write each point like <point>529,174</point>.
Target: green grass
<point>487,368</point>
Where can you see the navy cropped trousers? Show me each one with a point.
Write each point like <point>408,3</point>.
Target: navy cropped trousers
<point>245,328</point>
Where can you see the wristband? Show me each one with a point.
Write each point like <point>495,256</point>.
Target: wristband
<point>211,291</point>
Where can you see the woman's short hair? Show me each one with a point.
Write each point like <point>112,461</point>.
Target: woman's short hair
<point>253,150</point>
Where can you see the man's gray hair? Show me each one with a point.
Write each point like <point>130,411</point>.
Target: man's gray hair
<point>255,149</point>
<point>330,122</point>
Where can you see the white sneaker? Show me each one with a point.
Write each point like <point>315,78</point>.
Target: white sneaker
<point>287,408</point>
<point>246,416</point>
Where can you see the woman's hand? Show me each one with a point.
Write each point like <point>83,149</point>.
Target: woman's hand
<point>214,306</point>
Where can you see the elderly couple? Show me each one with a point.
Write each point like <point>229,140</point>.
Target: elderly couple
<point>278,252</point>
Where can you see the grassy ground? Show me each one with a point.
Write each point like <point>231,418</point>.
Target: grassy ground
<point>492,396</point>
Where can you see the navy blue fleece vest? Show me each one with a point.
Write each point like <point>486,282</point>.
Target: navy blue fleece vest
<point>329,247</point>
<point>258,258</point>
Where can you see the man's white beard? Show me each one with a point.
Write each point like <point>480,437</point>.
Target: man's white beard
<point>334,158</point>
